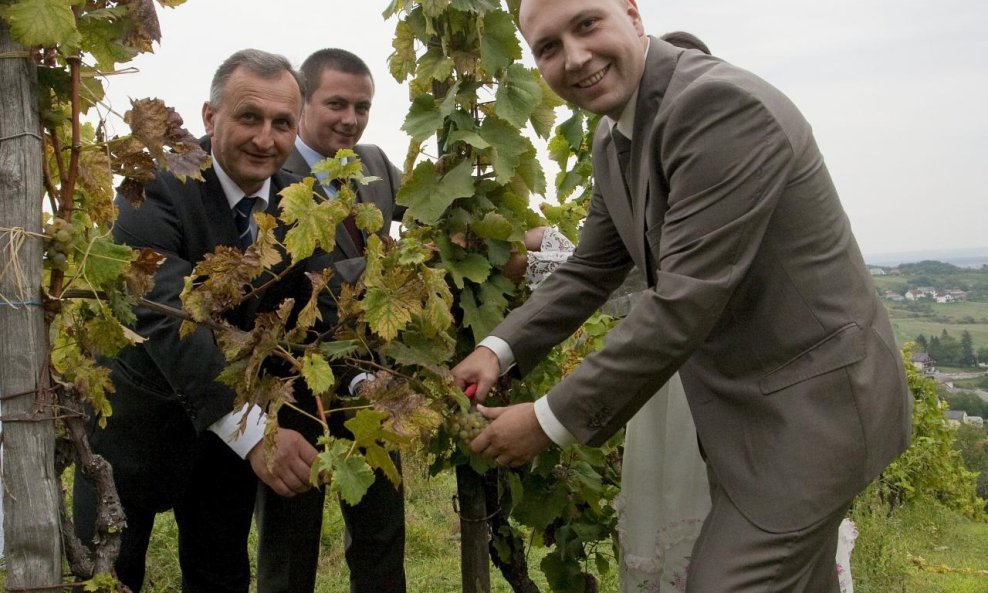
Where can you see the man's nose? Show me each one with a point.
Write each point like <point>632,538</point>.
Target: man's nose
<point>349,117</point>
<point>264,138</point>
<point>576,55</point>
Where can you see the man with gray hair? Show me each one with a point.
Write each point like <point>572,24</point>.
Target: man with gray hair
<point>172,439</point>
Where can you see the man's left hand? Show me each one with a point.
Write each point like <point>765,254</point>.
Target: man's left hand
<point>514,436</point>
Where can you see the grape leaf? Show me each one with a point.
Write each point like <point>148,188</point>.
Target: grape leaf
<point>434,65</point>
<point>518,94</point>
<point>401,62</point>
<point>428,197</point>
<point>104,336</point>
<point>105,261</point>
<point>96,179</point>
<point>101,35</point>
<point>338,349</point>
<point>508,145</point>
<point>473,266</point>
<point>499,45</point>
<point>317,373</point>
<point>493,226</point>
<point>310,313</point>
<point>423,118</point>
<point>145,28</point>
<point>46,23</point>
<point>481,319</point>
<point>389,308</point>
<point>368,217</point>
<point>312,223</point>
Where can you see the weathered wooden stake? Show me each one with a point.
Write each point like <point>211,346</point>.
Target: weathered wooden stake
<point>30,486</point>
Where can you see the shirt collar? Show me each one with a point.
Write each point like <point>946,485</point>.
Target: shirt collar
<point>233,192</point>
<point>308,153</point>
<point>311,157</point>
<point>626,121</point>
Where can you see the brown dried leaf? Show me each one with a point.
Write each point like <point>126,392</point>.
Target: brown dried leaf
<point>148,121</point>
<point>158,127</point>
<point>132,191</point>
<point>146,28</point>
<point>139,276</point>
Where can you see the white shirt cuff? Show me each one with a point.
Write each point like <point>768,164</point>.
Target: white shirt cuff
<point>356,381</point>
<point>501,349</point>
<point>228,429</point>
<point>551,425</point>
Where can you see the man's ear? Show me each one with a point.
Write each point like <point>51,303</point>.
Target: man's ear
<point>636,17</point>
<point>207,118</point>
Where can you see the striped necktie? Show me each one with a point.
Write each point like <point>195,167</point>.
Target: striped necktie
<point>243,210</point>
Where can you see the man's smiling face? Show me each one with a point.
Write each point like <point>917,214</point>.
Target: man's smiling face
<point>590,52</point>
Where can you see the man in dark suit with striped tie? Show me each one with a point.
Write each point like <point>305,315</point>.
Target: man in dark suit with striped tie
<point>173,439</point>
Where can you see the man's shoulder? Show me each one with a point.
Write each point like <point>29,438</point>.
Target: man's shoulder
<point>373,156</point>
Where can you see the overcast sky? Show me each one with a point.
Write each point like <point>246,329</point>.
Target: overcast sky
<point>896,90</point>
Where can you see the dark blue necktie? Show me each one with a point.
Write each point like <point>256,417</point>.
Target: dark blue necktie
<point>242,211</point>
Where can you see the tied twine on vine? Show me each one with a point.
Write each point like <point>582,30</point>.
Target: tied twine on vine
<point>15,239</point>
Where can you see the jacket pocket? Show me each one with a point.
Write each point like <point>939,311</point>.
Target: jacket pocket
<point>840,349</point>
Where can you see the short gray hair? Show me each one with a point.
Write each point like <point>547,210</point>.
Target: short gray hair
<point>264,64</point>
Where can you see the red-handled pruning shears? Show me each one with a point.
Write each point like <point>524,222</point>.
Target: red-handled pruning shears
<point>470,390</point>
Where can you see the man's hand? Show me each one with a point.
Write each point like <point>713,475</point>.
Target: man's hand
<point>514,436</point>
<point>288,473</point>
<point>482,368</point>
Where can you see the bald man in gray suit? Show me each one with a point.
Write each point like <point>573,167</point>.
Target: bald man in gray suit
<point>709,180</point>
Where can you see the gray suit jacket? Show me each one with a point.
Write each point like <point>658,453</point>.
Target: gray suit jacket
<point>758,295</point>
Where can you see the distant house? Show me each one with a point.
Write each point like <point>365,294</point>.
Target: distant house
<point>958,417</point>
<point>891,295</point>
<point>924,363</point>
<point>920,292</point>
<point>876,271</point>
<point>944,299</point>
<point>957,294</point>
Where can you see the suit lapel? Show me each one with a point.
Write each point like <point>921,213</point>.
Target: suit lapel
<point>660,64</point>
<point>218,210</point>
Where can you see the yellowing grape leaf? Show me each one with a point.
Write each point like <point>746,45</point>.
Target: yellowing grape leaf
<point>493,226</point>
<point>104,336</point>
<point>105,262</point>
<point>368,217</point>
<point>401,63</point>
<point>310,313</point>
<point>96,179</point>
<point>313,223</point>
<point>317,373</point>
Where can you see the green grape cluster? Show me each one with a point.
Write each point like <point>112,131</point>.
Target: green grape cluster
<point>58,243</point>
<point>465,426</point>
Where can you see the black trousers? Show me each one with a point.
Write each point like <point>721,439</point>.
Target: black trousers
<point>212,511</point>
<point>289,529</point>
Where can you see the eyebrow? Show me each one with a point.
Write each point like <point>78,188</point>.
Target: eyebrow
<point>582,15</point>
